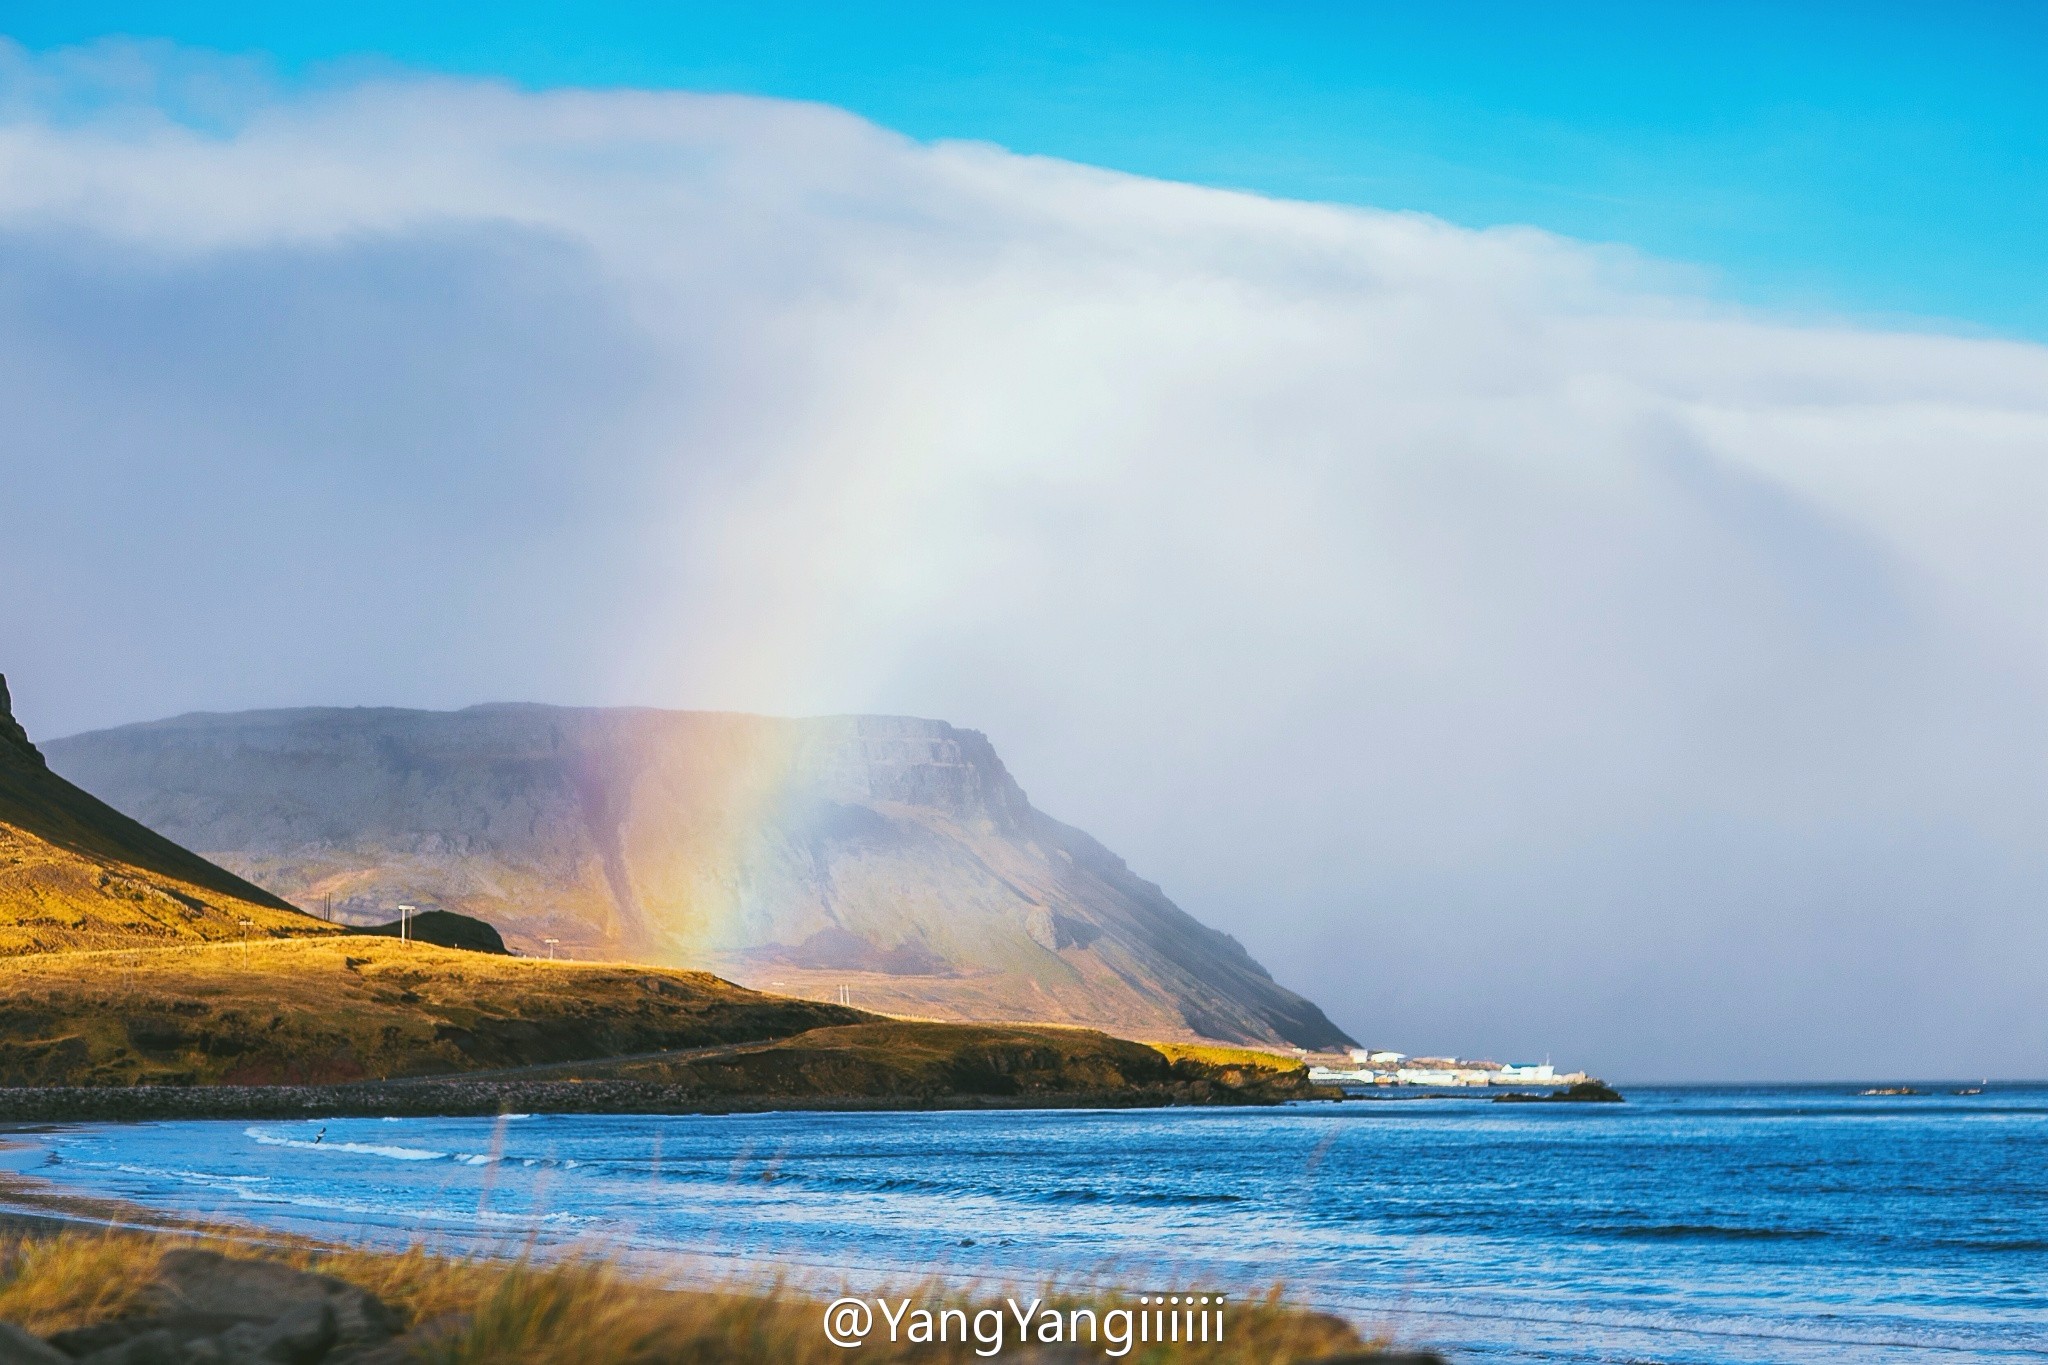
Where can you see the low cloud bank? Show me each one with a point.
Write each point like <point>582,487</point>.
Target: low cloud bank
<point>1516,650</point>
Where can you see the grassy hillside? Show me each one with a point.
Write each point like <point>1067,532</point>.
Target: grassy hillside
<point>933,1063</point>
<point>54,899</point>
<point>338,1009</point>
<point>322,1012</point>
<point>76,873</point>
<point>1243,1058</point>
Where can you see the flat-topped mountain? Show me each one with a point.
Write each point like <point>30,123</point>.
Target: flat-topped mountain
<point>76,873</point>
<point>892,859</point>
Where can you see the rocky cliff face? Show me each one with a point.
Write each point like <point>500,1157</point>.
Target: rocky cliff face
<point>890,858</point>
<point>16,752</point>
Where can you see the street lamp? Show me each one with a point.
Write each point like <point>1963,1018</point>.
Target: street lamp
<point>245,922</point>
<point>551,942</point>
<point>404,913</point>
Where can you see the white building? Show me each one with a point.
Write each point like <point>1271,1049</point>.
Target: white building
<point>1441,1077</point>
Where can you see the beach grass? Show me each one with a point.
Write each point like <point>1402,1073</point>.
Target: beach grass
<point>48,1284</point>
<point>483,1311</point>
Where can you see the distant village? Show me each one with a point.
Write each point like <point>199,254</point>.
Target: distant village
<point>1368,1066</point>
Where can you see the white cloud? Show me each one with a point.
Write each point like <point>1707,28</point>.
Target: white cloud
<point>1514,649</point>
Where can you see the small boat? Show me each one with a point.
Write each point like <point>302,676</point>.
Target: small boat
<point>1890,1090</point>
<point>1968,1090</point>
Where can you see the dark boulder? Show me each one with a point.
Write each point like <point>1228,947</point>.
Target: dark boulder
<point>446,929</point>
<point>19,1348</point>
<point>204,1308</point>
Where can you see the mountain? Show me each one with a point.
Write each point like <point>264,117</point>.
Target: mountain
<point>887,861</point>
<point>76,873</point>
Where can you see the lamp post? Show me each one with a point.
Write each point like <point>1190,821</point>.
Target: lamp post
<point>404,915</point>
<point>551,942</point>
<point>245,922</point>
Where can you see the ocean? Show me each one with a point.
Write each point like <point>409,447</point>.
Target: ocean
<point>1693,1224</point>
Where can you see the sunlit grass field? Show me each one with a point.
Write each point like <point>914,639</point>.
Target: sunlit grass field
<point>1219,1055</point>
<point>339,1009</point>
<point>353,1008</point>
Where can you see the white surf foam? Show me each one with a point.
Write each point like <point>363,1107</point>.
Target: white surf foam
<point>354,1148</point>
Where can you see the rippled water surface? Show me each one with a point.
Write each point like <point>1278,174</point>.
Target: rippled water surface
<point>1771,1224</point>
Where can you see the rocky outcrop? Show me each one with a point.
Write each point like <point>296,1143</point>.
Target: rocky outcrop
<point>1581,1092</point>
<point>444,929</point>
<point>15,749</point>
<point>203,1308</point>
<point>892,860</point>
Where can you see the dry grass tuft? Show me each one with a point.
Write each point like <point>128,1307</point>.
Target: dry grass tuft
<point>494,1312</point>
<point>50,1284</point>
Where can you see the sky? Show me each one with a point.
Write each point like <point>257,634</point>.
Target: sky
<point>1875,160</point>
<point>1531,519</point>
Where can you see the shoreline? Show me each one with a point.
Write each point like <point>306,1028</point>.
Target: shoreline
<point>459,1096</point>
<point>456,1097</point>
<point>464,1299</point>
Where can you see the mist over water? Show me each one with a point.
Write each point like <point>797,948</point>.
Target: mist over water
<point>1787,1225</point>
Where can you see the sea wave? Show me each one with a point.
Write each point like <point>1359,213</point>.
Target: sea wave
<point>1998,1244</point>
<point>390,1153</point>
<point>1711,1231</point>
<point>175,1174</point>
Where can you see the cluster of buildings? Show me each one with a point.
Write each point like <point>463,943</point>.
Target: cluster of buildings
<point>1368,1066</point>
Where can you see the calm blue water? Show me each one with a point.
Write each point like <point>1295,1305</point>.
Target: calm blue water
<point>1725,1225</point>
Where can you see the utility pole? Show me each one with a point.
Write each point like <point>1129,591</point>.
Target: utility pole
<point>551,942</point>
<point>404,915</point>
<point>245,923</point>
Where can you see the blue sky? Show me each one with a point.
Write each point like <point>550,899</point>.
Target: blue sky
<point>1883,162</point>
<point>1345,571</point>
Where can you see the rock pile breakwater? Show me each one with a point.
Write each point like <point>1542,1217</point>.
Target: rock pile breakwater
<point>460,1098</point>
